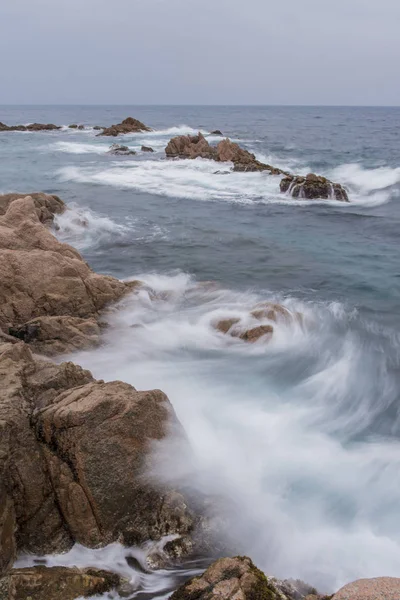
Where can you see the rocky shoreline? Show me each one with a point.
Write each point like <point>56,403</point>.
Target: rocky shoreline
<point>77,454</point>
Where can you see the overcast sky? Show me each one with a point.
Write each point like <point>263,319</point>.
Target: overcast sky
<point>200,52</point>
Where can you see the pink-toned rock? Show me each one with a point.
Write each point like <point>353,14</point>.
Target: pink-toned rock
<point>380,588</point>
<point>190,146</point>
<point>129,125</point>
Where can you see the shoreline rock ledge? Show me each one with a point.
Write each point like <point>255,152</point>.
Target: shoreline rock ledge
<point>129,125</point>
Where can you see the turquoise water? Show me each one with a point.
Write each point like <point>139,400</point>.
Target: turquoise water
<point>301,436</point>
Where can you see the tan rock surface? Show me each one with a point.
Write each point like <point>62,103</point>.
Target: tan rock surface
<point>380,588</point>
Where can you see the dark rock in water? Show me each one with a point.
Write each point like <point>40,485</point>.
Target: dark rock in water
<point>81,127</point>
<point>239,579</point>
<point>73,126</point>
<point>187,146</point>
<point>190,146</point>
<point>97,128</point>
<point>54,583</point>
<point>129,125</point>
<point>31,127</point>
<point>216,132</point>
<point>120,150</point>
<point>313,187</point>
<point>146,149</point>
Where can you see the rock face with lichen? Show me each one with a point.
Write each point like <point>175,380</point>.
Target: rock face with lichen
<point>128,125</point>
<point>313,187</point>
<point>75,460</point>
<point>239,579</point>
<point>49,296</point>
<point>43,583</point>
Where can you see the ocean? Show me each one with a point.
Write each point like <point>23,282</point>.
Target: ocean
<point>298,438</point>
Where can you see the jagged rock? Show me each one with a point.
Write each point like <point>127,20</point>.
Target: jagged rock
<point>81,127</point>
<point>74,126</point>
<point>190,146</point>
<point>56,583</point>
<point>120,150</point>
<point>146,149</point>
<point>41,277</point>
<point>46,205</point>
<point>129,125</point>
<point>55,335</point>
<point>237,579</point>
<point>74,459</point>
<point>216,132</point>
<point>31,127</point>
<point>380,588</point>
<point>187,146</point>
<point>313,187</point>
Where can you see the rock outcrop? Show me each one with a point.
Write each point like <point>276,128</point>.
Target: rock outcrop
<point>239,579</point>
<point>128,125</point>
<point>120,150</point>
<point>147,149</point>
<point>30,127</point>
<point>46,288</point>
<point>75,458</point>
<point>189,146</point>
<point>380,588</point>
<point>216,132</point>
<point>56,583</point>
<point>313,187</point>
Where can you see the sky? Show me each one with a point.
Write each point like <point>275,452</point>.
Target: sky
<point>323,52</point>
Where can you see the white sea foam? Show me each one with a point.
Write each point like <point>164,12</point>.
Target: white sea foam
<point>368,186</point>
<point>271,425</point>
<point>80,148</point>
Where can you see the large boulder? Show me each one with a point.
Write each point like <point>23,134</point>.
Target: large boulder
<point>313,187</point>
<point>190,146</point>
<point>239,579</point>
<point>41,277</point>
<point>380,588</point>
<point>56,583</point>
<point>76,457</point>
<point>128,125</point>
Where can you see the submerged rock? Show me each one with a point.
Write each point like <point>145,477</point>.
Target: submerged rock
<point>237,579</point>
<point>129,125</point>
<point>313,187</point>
<point>120,150</point>
<point>146,149</point>
<point>54,583</point>
<point>256,333</point>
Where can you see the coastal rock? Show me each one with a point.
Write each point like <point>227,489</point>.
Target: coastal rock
<point>272,312</point>
<point>30,127</point>
<point>120,150</point>
<point>129,125</point>
<point>75,455</point>
<point>256,333</point>
<point>41,277</point>
<point>380,588</point>
<point>73,126</point>
<point>146,149</point>
<point>313,187</point>
<point>190,146</point>
<point>238,579</point>
<point>54,583</point>
<point>216,132</point>
<point>98,128</point>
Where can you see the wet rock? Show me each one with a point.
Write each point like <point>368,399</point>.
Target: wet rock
<point>129,125</point>
<point>382,588</point>
<point>256,333</point>
<point>226,324</point>
<point>54,583</point>
<point>80,127</point>
<point>271,311</point>
<point>235,579</point>
<point>74,126</point>
<point>146,149</point>
<point>216,132</point>
<point>120,150</point>
<point>46,205</point>
<point>313,187</point>
<point>75,459</point>
<point>97,128</point>
<point>243,160</point>
<point>190,146</point>
<point>31,127</point>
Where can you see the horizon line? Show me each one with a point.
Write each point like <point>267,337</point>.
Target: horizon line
<point>213,105</point>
